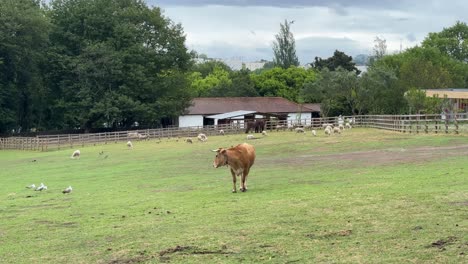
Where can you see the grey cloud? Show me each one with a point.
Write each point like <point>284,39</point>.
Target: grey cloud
<point>309,48</point>
<point>411,37</point>
<point>282,3</point>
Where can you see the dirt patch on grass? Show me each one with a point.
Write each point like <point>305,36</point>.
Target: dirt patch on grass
<point>189,250</point>
<point>441,243</point>
<point>375,157</point>
<point>56,224</point>
<point>332,234</point>
<point>461,203</point>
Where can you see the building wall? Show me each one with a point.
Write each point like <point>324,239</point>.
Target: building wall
<point>293,117</point>
<point>190,120</point>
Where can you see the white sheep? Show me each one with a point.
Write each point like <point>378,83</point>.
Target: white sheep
<point>314,133</point>
<point>264,133</point>
<point>299,130</point>
<point>280,127</point>
<point>348,126</point>
<point>141,136</point>
<point>76,154</point>
<point>202,137</point>
<point>129,145</point>
<point>250,137</point>
<point>337,130</point>
<point>329,128</point>
<point>189,140</point>
<point>327,125</point>
<point>221,132</point>
<point>327,131</point>
<point>341,127</point>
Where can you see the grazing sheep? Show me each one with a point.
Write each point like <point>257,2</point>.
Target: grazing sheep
<point>299,130</point>
<point>67,190</point>
<point>341,127</point>
<point>314,133</point>
<point>129,145</point>
<point>264,133</point>
<point>250,137</point>
<point>280,127</point>
<point>327,125</point>
<point>141,136</point>
<point>327,131</point>
<point>337,130</point>
<point>329,128</point>
<point>348,126</point>
<point>76,154</point>
<point>189,140</point>
<point>221,132</point>
<point>202,137</point>
<point>136,135</point>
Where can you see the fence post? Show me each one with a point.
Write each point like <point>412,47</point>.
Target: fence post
<point>426,126</point>
<point>456,124</point>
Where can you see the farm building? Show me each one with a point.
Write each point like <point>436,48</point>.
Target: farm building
<point>223,110</point>
<point>457,97</point>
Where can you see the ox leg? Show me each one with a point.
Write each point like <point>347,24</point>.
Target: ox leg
<point>243,187</point>
<point>233,181</point>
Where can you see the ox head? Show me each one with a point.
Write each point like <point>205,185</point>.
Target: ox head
<point>221,158</point>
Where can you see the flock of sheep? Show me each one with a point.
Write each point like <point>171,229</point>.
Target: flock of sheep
<point>329,129</point>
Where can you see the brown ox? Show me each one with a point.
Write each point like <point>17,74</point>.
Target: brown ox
<point>239,159</point>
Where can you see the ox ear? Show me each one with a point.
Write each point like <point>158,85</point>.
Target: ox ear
<point>223,151</point>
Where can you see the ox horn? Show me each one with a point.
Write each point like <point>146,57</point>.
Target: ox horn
<point>215,150</point>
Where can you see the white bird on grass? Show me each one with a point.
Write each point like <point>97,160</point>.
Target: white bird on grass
<point>41,187</point>
<point>32,186</point>
<point>67,190</point>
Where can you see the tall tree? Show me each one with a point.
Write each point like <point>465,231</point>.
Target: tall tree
<point>339,59</point>
<point>284,48</point>
<point>23,43</point>
<point>380,48</point>
<point>452,41</point>
<point>116,62</point>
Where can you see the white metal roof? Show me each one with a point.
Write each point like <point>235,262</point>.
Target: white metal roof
<point>231,114</point>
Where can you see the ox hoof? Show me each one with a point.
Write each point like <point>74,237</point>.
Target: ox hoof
<point>243,189</point>
<point>234,191</point>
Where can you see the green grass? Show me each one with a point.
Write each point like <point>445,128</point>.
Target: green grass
<point>367,196</point>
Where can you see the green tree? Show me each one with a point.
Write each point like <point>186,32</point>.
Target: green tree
<point>452,41</point>
<point>339,92</point>
<point>286,83</point>
<point>23,44</point>
<point>384,93</point>
<point>218,80</point>
<point>209,66</point>
<point>284,48</point>
<point>339,59</point>
<point>114,63</point>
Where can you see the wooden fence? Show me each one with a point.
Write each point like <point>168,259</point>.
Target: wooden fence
<point>454,124</point>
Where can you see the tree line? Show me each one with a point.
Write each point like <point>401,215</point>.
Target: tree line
<point>83,64</point>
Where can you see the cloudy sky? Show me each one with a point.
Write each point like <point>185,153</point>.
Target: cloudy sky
<point>245,29</point>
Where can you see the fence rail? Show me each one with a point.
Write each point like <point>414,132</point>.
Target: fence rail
<point>450,124</point>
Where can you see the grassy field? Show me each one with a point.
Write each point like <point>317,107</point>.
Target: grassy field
<point>366,196</point>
